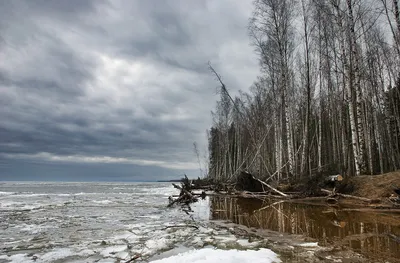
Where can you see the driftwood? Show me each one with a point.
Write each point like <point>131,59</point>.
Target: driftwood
<point>186,192</point>
<point>271,188</point>
<point>185,196</point>
<point>333,193</point>
<point>134,258</point>
<point>248,186</point>
<point>178,200</point>
<point>178,226</point>
<point>202,194</point>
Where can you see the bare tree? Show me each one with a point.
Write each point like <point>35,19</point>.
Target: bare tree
<point>327,99</point>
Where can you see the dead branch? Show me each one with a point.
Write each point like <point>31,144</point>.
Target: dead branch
<point>177,200</point>
<point>270,187</point>
<point>333,193</point>
<point>185,196</point>
<point>183,190</point>
<point>192,226</point>
<point>134,258</point>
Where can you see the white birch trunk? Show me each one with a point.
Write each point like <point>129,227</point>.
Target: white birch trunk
<point>278,155</point>
<point>320,136</point>
<point>289,139</point>
<point>378,142</point>
<point>354,81</point>
<point>348,87</point>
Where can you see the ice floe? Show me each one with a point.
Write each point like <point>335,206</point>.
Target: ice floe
<point>96,223</point>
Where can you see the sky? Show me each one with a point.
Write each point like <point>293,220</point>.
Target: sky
<point>117,90</point>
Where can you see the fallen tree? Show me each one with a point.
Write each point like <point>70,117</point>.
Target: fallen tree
<point>186,196</point>
<point>246,185</point>
<point>334,193</point>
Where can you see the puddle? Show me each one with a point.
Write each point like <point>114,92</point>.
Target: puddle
<point>372,234</point>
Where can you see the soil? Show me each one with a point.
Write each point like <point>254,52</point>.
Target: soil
<point>376,186</point>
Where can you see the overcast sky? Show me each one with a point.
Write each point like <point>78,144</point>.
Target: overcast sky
<point>114,90</point>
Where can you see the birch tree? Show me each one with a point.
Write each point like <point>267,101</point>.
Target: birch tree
<point>327,100</point>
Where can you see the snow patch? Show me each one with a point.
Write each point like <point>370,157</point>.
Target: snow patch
<point>209,255</point>
<point>310,244</point>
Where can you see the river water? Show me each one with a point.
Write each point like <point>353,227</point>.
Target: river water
<point>114,222</point>
<point>111,222</point>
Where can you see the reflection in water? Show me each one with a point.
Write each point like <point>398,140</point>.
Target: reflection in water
<point>370,233</point>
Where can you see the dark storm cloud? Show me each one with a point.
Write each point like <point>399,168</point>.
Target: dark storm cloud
<point>116,81</point>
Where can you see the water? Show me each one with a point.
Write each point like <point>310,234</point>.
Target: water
<point>113,222</point>
<point>109,222</point>
<point>374,234</point>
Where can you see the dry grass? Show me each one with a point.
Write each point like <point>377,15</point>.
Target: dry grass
<point>376,186</point>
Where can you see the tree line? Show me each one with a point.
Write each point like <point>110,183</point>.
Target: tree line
<point>327,99</point>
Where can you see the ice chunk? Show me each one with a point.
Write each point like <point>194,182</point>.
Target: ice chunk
<point>56,254</point>
<point>112,250</point>
<point>158,244</point>
<point>104,202</point>
<point>246,243</point>
<point>310,244</point>
<point>18,258</point>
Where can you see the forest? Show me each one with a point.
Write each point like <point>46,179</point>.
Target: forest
<point>327,99</point>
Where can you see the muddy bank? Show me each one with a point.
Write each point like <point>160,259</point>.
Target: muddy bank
<point>369,191</point>
<point>293,248</point>
<point>346,219</point>
<point>375,186</point>
<point>340,232</point>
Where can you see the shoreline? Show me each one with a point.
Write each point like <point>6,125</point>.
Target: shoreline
<point>351,228</point>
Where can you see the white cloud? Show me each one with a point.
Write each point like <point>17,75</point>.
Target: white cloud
<point>44,156</point>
